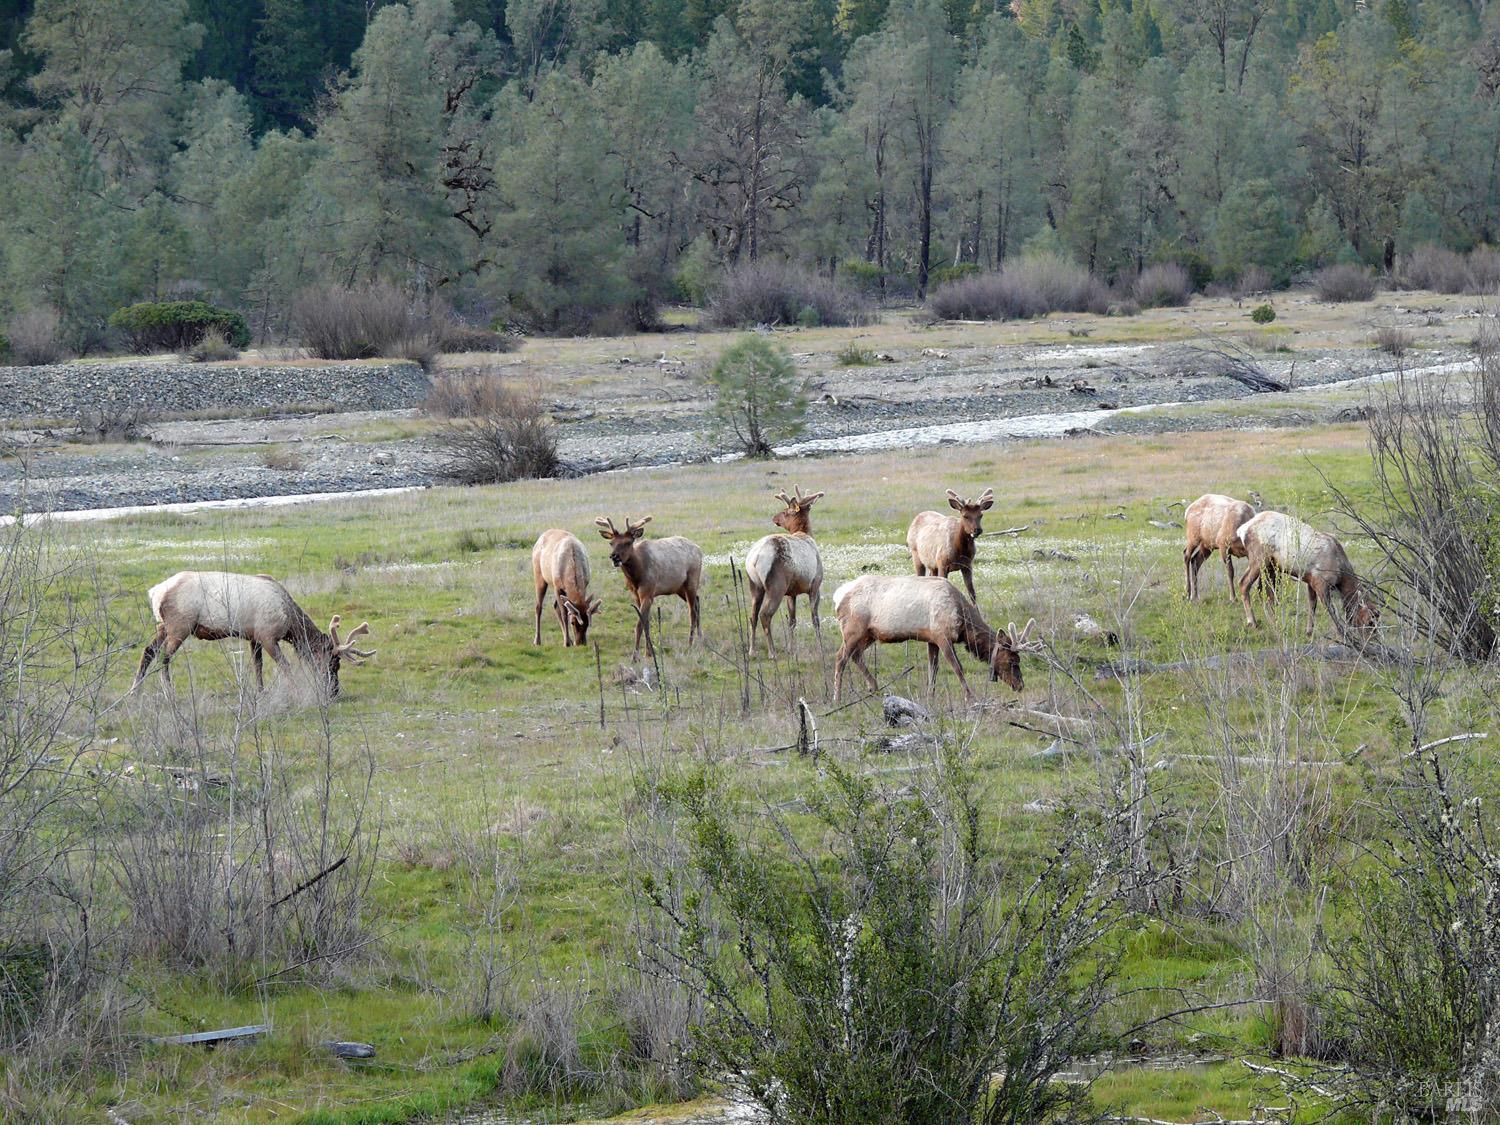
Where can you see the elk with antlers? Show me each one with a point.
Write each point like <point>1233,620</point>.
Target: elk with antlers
<point>1275,541</point>
<point>214,606</point>
<point>559,562</point>
<point>785,566</point>
<point>941,544</point>
<point>1212,523</point>
<point>890,609</point>
<point>655,568</point>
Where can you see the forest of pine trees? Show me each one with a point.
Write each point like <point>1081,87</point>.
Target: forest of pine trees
<point>566,165</point>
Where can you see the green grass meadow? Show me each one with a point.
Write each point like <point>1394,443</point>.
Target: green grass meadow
<point>473,729</point>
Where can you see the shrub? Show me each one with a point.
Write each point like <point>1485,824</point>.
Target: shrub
<point>945,274</point>
<point>1414,993</point>
<point>214,346</point>
<point>1166,285</point>
<point>503,434</point>
<point>893,967</point>
<point>380,320</point>
<point>1435,268</point>
<point>4,346</point>
<point>758,395</point>
<point>36,338</point>
<point>283,459</point>
<point>1027,288</point>
<point>777,293</point>
<point>1263,314</point>
<point>809,318</point>
<point>1343,283</point>
<point>862,275</point>
<point>175,326</point>
<point>853,355</point>
<point>1393,341</point>
<point>1253,279</point>
<point>1484,270</point>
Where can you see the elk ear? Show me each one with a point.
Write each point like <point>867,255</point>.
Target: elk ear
<point>986,502</point>
<point>639,529</point>
<point>954,502</point>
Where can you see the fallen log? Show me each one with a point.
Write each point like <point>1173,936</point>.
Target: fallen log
<point>212,1039</point>
<point>1335,652</point>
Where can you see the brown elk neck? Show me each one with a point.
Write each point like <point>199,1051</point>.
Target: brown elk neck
<point>634,568</point>
<point>304,636</point>
<point>801,524</point>
<point>961,541</point>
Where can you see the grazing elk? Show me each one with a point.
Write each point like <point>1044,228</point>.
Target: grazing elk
<point>655,568</point>
<point>214,606</point>
<point>784,566</point>
<point>559,562</point>
<point>890,609</point>
<point>941,544</point>
<point>1275,541</point>
<point>1212,523</point>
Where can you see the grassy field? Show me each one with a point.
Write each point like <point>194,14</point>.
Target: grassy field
<point>476,734</point>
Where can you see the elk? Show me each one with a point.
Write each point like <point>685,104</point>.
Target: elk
<point>215,606</point>
<point>559,562</point>
<point>941,544</point>
<point>1212,523</point>
<point>1275,541</point>
<point>784,566</point>
<point>653,569</point>
<point>889,609</point>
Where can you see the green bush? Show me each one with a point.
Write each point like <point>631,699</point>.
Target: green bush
<point>1263,314</point>
<point>758,395</point>
<point>809,318</point>
<point>175,326</point>
<point>944,274</point>
<point>4,345</point>
<point>853,355</point>
<point>862,275</point>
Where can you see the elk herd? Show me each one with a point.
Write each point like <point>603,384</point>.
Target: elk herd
<point>783,566</point>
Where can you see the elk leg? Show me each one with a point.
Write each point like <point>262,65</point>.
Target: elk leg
<point>958,669</point>
<point>916,562</point>
<point>643,627</point>
<point>1187,567</point>
<point>859,662</point>
<point>814,600</point>
<point>562,622</point>
<point>257,655</point>
<point>541,596</point>
<point>168,650</point>
<point>757,599</point>
<point>1229,566</point>
<point>1247,582</point>
<point>695,627</point>
<point>282,663</point>
<point>149,655</point>
<point>1312,597</point>
<point>791,620</point>
<point>932,662</point>
<point>968,573</point>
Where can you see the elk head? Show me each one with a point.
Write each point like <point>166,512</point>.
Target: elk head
<point>622,543</point>
<point>797,515</point>
<point>339,649</point>
<point>1005,661</point>
<point>578,616</point>
<point>971,512</point>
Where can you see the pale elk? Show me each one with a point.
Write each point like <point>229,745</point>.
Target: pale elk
<point>655,568</point>
<point>785,566</point>
<point>559,563</point>
<point>1275,541</point>
<point>890,609</point>
<point>215,606</point>
<point>1212,523</point>
<point>941,544</point>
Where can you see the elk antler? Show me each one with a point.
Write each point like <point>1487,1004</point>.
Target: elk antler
<point>988,494</point>
<point>608,524</point>
<point>784,498</point>
<point>345,647</point>
<point>955,496</point>
<point>1023,641</point>
<point>635,525</point>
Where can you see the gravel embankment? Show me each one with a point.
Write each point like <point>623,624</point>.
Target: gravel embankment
<point>158,388</point>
